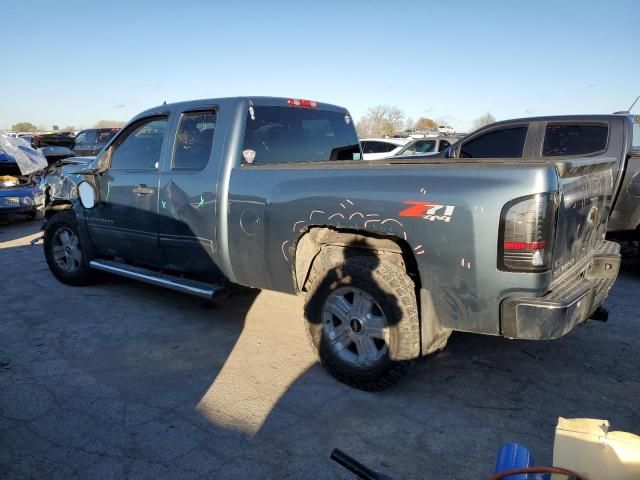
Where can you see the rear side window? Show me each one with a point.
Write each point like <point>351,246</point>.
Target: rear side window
<point>574,139</point>
<point>372,146</point>
<point>387,147</point>
<point>504,143</point>
<point>140,147</point>
<point>290,134</point>
<point>194,140</point>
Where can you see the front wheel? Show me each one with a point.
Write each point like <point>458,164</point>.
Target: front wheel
<point>362,319</point>
<point>63,250</point>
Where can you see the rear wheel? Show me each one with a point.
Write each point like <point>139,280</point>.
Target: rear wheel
<point>362,319</point>
<point>63,250</point>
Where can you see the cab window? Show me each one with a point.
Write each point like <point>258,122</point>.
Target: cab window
<point>503,143</point>
<point>290,134</point>
<point>139,148</point>
<point>194,140</point>
<point>563,139</point>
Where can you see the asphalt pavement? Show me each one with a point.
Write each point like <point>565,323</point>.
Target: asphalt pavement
<point>124,380</point>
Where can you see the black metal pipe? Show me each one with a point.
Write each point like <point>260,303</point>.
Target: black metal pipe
<point>356,467</point>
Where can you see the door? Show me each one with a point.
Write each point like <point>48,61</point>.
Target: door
<point>84,143</point>
<point>187,228</point>
<point>124,222</point>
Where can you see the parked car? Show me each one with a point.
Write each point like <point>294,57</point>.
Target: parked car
<point>27,137</point>
<point>19,191</point>
<point>625,214</point>
<point>426,145</point>
<point>446,130</point>
<point>391,255</point>
<point>89,142</point>
<point>376,148</point>
<point>53,139</point>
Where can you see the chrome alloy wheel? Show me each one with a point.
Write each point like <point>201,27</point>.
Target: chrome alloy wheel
<point>355,326</point>
<point>66,250</point>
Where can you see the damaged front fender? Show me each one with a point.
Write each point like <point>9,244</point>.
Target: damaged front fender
<point>60,185</point>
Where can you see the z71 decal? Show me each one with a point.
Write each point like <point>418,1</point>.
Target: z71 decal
<point>431,211</point>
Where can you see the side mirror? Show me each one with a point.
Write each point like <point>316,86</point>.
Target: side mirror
<point>87,195</point>
<point>450,153</point>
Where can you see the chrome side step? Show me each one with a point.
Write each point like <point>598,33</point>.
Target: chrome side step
<point>192,287</point>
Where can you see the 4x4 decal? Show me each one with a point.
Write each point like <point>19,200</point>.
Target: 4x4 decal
<point>431,211</point>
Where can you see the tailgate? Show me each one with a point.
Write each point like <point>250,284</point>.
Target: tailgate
<point>586,189</point>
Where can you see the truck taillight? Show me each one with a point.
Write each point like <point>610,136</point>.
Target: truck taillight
<point>526,233</point>
<point>299,102</point>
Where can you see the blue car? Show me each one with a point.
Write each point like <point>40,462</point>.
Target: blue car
<point>19,191</point>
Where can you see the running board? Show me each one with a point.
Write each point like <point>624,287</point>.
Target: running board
<point>179,284</point>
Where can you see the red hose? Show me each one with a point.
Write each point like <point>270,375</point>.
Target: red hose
<point>558,470</point>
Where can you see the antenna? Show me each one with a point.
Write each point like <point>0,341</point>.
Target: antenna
<point>627,112</point>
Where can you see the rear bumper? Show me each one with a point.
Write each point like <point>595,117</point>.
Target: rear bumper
<point>568,304</point>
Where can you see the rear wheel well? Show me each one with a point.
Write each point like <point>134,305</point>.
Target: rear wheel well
<point>390,248</point>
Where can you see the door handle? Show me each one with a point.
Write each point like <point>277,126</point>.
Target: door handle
<point>143,190</point>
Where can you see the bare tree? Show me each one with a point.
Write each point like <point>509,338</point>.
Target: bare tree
<point>379,121</point>
<point>109,124</point>
<point>486,119</point>
<point>409,124</point>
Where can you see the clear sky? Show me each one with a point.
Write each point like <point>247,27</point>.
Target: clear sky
<point>77,62</point>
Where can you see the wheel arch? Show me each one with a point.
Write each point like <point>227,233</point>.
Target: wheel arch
<point>56,206</point>
<point>311,243</point>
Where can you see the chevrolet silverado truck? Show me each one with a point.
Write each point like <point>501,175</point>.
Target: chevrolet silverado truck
<point>507,238</point>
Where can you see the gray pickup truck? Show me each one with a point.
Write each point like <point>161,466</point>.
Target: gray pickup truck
<point>392,255</point>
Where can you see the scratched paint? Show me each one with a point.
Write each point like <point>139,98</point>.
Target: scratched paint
<point>283,250</point>
<point>348,218</point>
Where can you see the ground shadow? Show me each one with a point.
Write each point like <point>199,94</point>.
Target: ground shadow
<point>125,380</point>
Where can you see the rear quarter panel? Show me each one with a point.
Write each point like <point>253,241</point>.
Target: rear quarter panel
<point>271,207</point>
